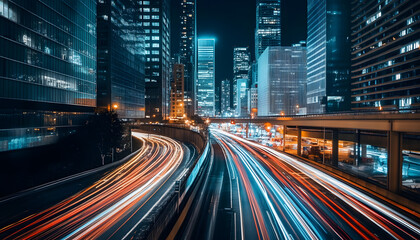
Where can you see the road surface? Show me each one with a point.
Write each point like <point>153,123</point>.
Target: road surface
<point>111,207</point>
<point>256,192</point>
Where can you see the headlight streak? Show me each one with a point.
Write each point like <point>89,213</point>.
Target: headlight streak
<point>95,210</point>
<point>255,208</point>
<point>376,212</point>
<point>272,192</point>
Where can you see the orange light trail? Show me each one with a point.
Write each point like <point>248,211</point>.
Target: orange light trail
<point>109,201</point>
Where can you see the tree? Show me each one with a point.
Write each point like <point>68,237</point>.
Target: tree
<point>106,130</point>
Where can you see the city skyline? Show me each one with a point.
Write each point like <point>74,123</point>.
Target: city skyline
<point>209,119</point>
<point>222,26</point>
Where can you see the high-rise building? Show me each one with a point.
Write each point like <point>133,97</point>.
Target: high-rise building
<point>254,73</point>
<point>206,66</point>
<point>225,98</point>
<point>120,58</point>
<point>217,101</point>
<point>241,67</point>
<point>253,98</point>
<point>188,51</point>
<point>47,70</point>
<point>242,90</point>
<point>253,89</point>
<point>155,17</point>
<point>328,61</point>
<point>282,81</point>
<point>385,55</point>
<point>268,25</point>
<point>177,92</point>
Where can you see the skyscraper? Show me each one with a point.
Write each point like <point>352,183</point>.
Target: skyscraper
<point>225,98</point>
<point>120,58</point>
<point>328,61</point>
<point>282,81</point>
<point>206,65</point>
<point>253,89</point>
<point>177,92</point>
<point>268,25</point>
<point>156,24</point>
<point>241,109</point>
<point>241,67</point>
<point>188,52</point>
<point>385,51</point>
<point>47,70</point>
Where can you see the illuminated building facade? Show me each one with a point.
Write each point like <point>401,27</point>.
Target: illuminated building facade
<point>177,92</point>
<point>206,66</point>
<point>47,70</point>
<point>328,45</point>
<point>241,109</point>
<point>188,51</point>
<point>120,58</point>
<point>282,81</point>
<point>241,67</point>
<point>385,55</point>
<point>268,25</point>
<point>225,98</point>
<point>156,24</point>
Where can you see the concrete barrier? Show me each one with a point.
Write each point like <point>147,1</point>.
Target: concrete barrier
<point>198,139</point>
<point>166,214</point>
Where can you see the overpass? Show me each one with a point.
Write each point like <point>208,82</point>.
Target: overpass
<point>381,121</point>
<point>386,143</point>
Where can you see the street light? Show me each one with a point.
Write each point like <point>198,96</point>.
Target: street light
<point>115,106</point>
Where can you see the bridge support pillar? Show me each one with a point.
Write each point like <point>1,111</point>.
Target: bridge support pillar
<point>335,148</point>
<point>299,141</point>
<point>394,161</point>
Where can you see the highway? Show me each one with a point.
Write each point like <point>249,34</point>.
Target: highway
<point>111,207</point>
<point>255,192</point>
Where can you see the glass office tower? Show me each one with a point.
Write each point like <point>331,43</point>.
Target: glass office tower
<point>177,92</point>
<point>241,67</point>
<point>268,25</point>
<point>188,51</point>
<point>328,61</point>
<point>385,55</point>
<point>242,90</point>
<point>282,80</point>
<point>225,98</point>
<point>206,66</point>
<point>120,58</point>
<point>156,24</point>
<point>47,69</point>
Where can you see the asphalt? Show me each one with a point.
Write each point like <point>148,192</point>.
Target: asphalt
<point>36,200</point>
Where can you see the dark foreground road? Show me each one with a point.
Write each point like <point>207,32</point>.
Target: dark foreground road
<point>111,207</point>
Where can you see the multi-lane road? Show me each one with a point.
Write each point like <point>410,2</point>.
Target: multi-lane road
<point>247,191</point>
<point>255,192</point>
<point>111,207</point>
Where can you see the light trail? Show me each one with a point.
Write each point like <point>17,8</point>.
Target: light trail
<point>306,203</point>
<point>101,209</point>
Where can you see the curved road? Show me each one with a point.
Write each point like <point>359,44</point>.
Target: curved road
<point>271,195</point>
<point>113,206</point>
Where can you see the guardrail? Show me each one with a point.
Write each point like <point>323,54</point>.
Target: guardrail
<point>166,213</point>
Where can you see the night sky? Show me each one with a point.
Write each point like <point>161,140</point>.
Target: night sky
<point>232,23</point>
